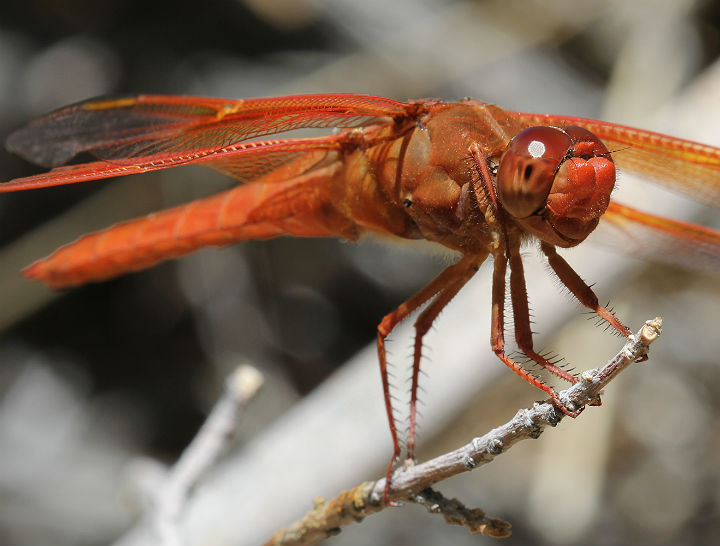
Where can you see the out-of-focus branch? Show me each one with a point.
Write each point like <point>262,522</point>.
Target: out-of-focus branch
<point>161,525</point>
<point>411,483</point>
<point>204,450</point>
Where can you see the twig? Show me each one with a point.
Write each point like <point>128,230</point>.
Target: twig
<point>456,513</point>
<point>207,446</point>
<point>410,483</point>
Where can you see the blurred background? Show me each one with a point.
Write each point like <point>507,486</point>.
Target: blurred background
<point>97,382</point>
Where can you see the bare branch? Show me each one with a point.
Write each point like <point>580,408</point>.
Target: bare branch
<point>207,446</point>
<point>456,513</point>
<point>410,482</point>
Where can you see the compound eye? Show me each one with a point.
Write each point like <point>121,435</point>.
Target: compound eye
<point>586,144</point>
<point>527,169</point>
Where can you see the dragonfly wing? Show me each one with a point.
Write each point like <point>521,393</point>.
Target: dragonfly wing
<point>164,128</point>
<point>660,239</point>
<point>245,162</point>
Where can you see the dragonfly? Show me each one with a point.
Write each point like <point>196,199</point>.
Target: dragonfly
<point>471,176</point>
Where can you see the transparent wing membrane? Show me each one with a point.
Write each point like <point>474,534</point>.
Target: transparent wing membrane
<point>163,127</point>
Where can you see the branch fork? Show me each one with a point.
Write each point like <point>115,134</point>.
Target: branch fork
<point>412,483</point>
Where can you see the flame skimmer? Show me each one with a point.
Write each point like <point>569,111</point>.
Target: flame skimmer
<point>469,175</point>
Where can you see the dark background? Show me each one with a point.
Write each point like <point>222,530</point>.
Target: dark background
<point>100,355</point>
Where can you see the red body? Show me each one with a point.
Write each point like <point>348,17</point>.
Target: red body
<point>471,176</point>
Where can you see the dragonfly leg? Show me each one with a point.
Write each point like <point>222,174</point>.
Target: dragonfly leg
<point>580,289</point>
<point>497,334</point>
<point>485,188</point>
<point>446,279</point>
<point>521,316</point>
<point>422,325</point>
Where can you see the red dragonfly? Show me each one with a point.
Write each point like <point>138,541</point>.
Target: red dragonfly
<point>471,176</point>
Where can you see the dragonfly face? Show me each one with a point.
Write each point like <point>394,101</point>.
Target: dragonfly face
<point>556,183</point>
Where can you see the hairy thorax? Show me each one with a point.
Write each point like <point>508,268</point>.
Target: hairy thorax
<point>423,184</point>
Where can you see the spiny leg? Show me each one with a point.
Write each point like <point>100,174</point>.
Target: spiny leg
<point>521,316</point>
<point>483,186</point>
<point>579,288</point>
<point>446,278</point>
<point>494,216</point>
<point>422,326</point>
<point>497,332</point>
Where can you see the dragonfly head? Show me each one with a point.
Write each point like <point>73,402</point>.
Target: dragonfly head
<point>556,183</point>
